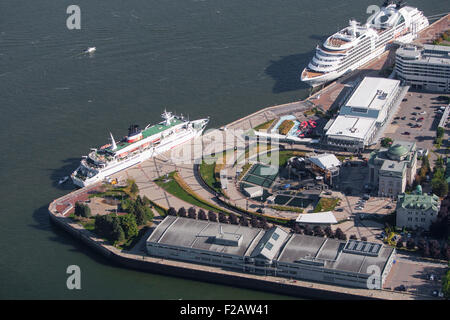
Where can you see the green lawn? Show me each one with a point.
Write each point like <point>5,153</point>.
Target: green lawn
<point>326,204</point>
<point>264,126</point>
<point>172,187</point>
<point>207,172</point>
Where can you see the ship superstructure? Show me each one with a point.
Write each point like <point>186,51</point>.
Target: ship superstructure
<point>357,44</point>
<point>137,146</point>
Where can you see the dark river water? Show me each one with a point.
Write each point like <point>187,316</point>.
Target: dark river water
<point>217,58</point>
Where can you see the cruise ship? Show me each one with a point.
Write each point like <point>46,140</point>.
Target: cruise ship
<point>138,146</point>
<point>357,44</point>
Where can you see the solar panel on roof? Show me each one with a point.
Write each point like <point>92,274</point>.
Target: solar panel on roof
<point>359,246</point>
<point>366,247</point>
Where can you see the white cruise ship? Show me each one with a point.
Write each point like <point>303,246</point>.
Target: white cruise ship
<point>138,146</point>
<point>357,44</point>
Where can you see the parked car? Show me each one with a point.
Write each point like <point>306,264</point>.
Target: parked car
<point>403,118</point>
<point>406,133</point>
<point>421,119</point>
<point>417,108</point>
<point>397,118</point>
<point>394,122</point>
<point>339,209</point>
<point>423,112</point>
<point>414,113</point>
<point>404,100</point>
<point>401,288</point>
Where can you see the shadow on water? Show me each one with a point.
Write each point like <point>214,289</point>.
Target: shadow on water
<point>58,235</point>
<point>69,165</point>
<point>287,71</point>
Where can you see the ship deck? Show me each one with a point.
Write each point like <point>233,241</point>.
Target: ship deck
<point>311,74</point>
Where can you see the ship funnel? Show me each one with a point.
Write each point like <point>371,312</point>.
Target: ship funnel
<point>113,143</point>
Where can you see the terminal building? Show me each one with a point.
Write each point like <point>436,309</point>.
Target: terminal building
<point>392,169</point>
<point>364,114</point>
<point>272,252</point>
<point>424,66</point>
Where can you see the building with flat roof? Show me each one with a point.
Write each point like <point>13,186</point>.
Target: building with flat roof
<point>271,252</point>
<point>417,211</point>
<point>364,113</point>
<point>392,169</point>
<point>424,66</point>
<point>316,219</point>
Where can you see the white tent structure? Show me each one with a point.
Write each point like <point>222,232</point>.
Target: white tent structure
<point>317,219</point>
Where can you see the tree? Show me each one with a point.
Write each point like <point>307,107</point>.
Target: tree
<point>117,235</point>
<point>172,211</point>
<point>191,214</point>
<point>223,217</point>
<point>263,223</point>
<point>410,244</point>
<point>318,232</point>
<point>308,231</point>
<point>212,216</point>
<point>243,221</point>
<point>233,219</point>
<point>129,225</point>
<point>297,229</point>
<point>440,187</point>
<point>103,226</point>
<point>353,237</point>
<point>421,244</point>
<point>254,222</point>
<point>435,249</point>
<point>82,210</point>
<point>399,244</point>
<point>202,215</point>
<point>440,132</point>
<point>386,142</point>
<point>329,232</point>
<point>143,214</point>
<point>134,189</point>
<point>446,285</point>
<point>340,234</point>
<point>363,238</point>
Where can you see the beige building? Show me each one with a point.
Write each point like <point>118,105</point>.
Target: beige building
<point>416,211</point>
<point>392,169</point>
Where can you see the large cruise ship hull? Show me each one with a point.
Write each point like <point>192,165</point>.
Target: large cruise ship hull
<point>331,76</point>
<point>137,159</point>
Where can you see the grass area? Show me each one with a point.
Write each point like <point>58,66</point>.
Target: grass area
<point>264,126</point>
<point>326,204</point>
<point>286,208</point>
<point>285,155</point>
<point>176,187</point>
<point>207,172</point>
<point>87,223</point>
<point>285,126</point>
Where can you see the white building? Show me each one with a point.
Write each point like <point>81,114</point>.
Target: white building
<point>271,252</point>
<point>365,113</point>
<point>424,67</point>
<point>322,219</point>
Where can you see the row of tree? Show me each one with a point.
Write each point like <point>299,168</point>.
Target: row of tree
<point>318,231</point>
<point>256,222</point>
<point>431,248</point>
<point>82,210</point>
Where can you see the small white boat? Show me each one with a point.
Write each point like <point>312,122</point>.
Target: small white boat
<point>91,50</point>
<point>62,180</point>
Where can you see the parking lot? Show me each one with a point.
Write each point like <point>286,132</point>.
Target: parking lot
<point>415,277</point>
<point>419,127</point>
